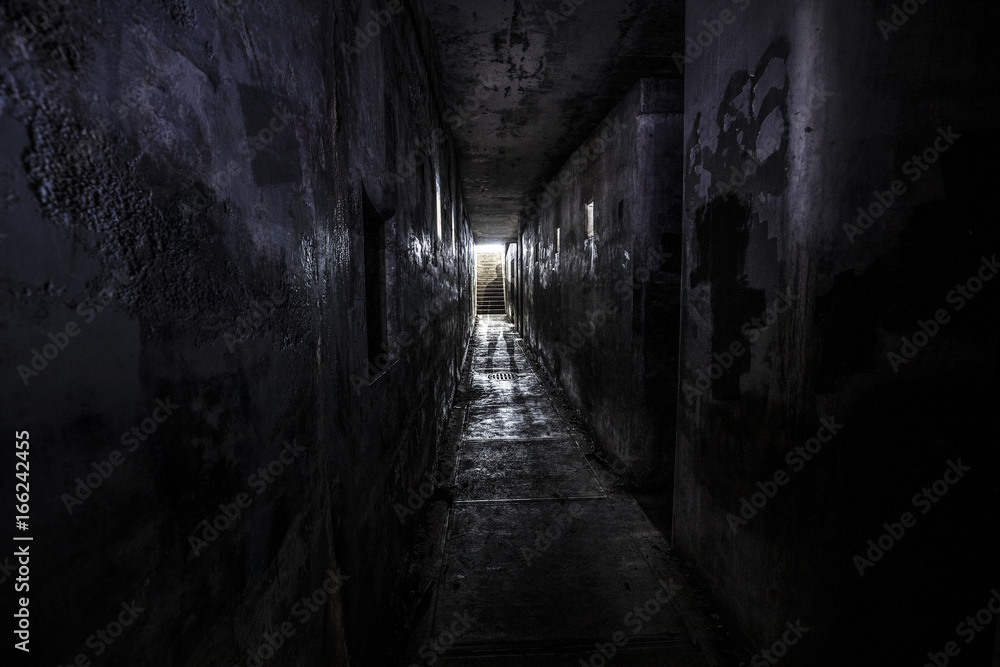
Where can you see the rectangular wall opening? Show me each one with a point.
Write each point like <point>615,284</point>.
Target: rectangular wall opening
<point>439,206</point>
<point>590,219</point>
<point>376,302</point>
<point>489,280</point>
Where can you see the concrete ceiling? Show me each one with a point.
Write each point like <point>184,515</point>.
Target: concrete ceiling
<point>527,81</point>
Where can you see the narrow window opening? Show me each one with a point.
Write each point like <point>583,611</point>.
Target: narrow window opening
<point>454,187</point>
<point>376,315</point>
<point>439,207</point>
<point>558,234</point>
<point>454,228</point>
<point>590,220</point>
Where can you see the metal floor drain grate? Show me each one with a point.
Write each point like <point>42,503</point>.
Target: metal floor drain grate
<point>502,376</point>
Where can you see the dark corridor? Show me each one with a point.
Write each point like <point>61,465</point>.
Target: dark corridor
<point>407,333</point>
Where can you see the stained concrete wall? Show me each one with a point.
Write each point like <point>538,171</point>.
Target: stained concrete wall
<point>797,114</point>
<point>184,192</point>
<point>603,312</point>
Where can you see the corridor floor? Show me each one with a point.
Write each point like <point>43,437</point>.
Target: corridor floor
<point>543,560</point>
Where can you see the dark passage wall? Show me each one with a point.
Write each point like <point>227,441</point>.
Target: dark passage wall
<point>235,281</point>
<point>807,324</point>
<point>603,310</point>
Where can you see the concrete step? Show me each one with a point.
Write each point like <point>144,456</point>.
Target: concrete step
<point>489,294</point>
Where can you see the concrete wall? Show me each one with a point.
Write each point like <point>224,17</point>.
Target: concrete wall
<point>175,264</point>
<point>796,114</point>
<point>603,311</point>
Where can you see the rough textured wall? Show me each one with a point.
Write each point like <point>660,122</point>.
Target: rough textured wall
<point>603,312</point>
<point>797,113</point>
<point>398,148</point>
<point>184,320</point>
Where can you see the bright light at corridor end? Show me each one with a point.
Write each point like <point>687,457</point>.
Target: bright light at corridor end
<point>492,249</point>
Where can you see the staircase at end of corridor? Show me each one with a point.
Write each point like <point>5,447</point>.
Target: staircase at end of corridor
<point>489,278</point>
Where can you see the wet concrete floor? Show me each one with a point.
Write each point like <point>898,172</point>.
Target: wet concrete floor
<point>543,560</point>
